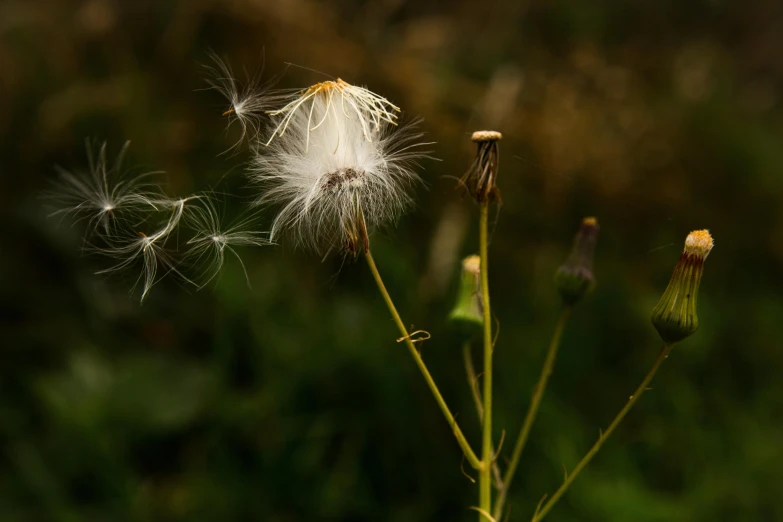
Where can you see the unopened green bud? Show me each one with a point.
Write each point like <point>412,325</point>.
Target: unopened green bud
<point>468,314</point>
<point>575,277</point>
<point>675,314</point>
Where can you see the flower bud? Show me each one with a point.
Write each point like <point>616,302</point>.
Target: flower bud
<point>675,314</point>
<point>479,180</point>
<point>575,277</point>
<point>468,313</point>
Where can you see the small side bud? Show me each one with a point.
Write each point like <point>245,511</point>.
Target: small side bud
<point>675,314</point>
<point>575,277</point>
<point>479,180</point>
<point>468,314</point>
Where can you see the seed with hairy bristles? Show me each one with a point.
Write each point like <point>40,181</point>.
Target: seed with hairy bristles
<point>247,100</point>
<point>134,223</point>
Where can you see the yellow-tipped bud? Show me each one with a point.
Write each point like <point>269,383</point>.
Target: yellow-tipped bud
<point>467,313</point>
<point>675,314</point>
<point>575,277</point>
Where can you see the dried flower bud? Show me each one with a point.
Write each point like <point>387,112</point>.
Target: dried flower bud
<point>575,277</point>
<point>467,312</point>
<point>675,314</point>
<point>479,180</point>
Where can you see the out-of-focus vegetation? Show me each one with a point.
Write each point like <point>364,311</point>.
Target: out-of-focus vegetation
<point>291,401</point>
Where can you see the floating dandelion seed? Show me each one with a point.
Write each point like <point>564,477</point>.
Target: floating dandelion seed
<point>134,223</point>
<point>153,255</point>
<point>248,101</point>
<point>211,240</point>
<point>105,197</point>
<point>338,166</point>
<point>150,248</point>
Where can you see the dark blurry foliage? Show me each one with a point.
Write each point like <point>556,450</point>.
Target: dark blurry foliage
<point>290,401</point>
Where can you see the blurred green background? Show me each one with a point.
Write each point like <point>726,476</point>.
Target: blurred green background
<point>291,400</point>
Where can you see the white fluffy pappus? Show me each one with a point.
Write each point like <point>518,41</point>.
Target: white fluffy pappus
<point>105,196</point>
<point>148,242</point>
<point>248,100</point>
<point>337,165</point>
<point>212,239</point>
<point>135,224</point>
<point>370,109</point>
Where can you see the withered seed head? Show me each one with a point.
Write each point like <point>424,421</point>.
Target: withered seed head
<point>479,180</point>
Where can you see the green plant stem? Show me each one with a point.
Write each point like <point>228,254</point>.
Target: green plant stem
<point>570,477</point>
<point>470,370</point>
<point>463,442</point>
<point>472,382</point>
<point>532,411</point>
<point>485,480</point>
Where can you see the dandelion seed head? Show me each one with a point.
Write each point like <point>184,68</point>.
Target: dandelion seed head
<point>337,164</point>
